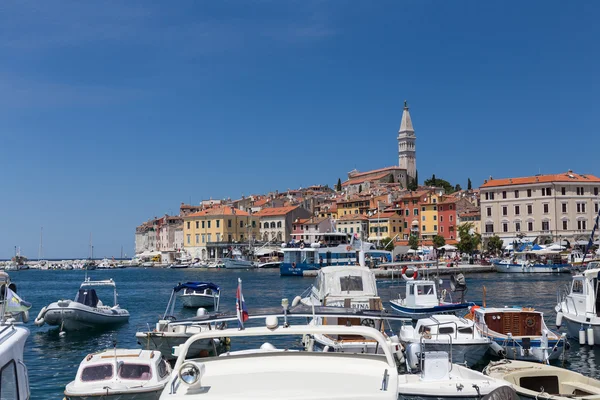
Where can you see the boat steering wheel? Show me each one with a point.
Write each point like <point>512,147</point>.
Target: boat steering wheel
<point>170,317</point>
<point>368,322</point>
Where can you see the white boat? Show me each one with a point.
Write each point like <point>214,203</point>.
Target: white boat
<point>518,333</point>
<point>11,305</point>
<point>237,261</point>
<point>544,382</point>
<point>86,311</point>
<point>578,306</point>
<point>106,264</point>
<point>534,262</point>
<point>199,294</point>
<point>449,333</point>
<point>120,374</point>
<point>270,264</point>
<point>269,373</point>
<point>421,299</point>
<point>348,287</point>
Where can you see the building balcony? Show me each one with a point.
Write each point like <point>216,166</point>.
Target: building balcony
<point>487,234</point>
<point>545,232</point>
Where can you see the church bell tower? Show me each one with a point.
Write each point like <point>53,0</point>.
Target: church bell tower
<point>407,157</point>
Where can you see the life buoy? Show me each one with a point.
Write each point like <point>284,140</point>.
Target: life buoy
<point>415,274</point>
<point>301,245</point>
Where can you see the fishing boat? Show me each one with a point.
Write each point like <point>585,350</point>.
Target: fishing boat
<point>455,335</point>
<point>421,298</point>
<point>267,373</point>
<point>534,381</point>
<point>120,374</point>
<point>237,261</point>
<point>347,287</point>
<point>199,294</point>
<point>518,333</point>
<point>534,262</point>
<point>86,311</point>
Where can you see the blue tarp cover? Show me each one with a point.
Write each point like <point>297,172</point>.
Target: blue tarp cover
<point>197,286</point>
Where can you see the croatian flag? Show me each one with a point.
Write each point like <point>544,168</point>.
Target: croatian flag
<point>240,306</point>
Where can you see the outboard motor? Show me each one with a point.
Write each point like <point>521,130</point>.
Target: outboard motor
<point>413,356</point>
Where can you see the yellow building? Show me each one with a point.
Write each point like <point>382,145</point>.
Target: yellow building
<point>212,232</point>
<point>385,224</point>
<point>429,216</point>
<point>352,206</point>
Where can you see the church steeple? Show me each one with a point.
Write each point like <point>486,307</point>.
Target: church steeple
<point>406,145</point>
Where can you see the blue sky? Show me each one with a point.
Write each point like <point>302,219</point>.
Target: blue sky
<point>113,112</point>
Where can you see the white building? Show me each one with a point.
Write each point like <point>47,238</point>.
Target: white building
<point>276,222</point>
<point>407,150</point>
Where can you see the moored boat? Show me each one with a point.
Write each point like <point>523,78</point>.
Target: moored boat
<point>534,262</point>
<point>199,294</point>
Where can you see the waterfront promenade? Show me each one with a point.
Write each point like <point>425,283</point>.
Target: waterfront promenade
<point>392,270</point>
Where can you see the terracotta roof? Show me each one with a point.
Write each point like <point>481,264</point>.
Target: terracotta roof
<point>469,214</point>
<point>260,202</point>
<point>384,214</point>
<point>415,194</point>
<point>392,168</point>
<point>353,217</point>
<point>218,211</point>
<point>358,180</point>
<point>275,211</point>
<point>568,176</point>
<point>448,200</point>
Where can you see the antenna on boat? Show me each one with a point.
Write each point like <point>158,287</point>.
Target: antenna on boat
<point>115,352</point>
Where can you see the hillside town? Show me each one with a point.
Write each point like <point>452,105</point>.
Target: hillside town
<point>388,207</point>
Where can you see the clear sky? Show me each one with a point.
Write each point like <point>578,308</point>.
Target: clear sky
<point>112,112</point>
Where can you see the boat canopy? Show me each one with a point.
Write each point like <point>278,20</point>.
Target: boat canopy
<point>197,286</point>
<point>107,282</point>
<point>87,297</point>
<point>343,280</point>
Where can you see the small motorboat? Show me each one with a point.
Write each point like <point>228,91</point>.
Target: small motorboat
<point>238,261</point>
<point>199,294</point>
<point>86,311</point>
<point>120,374</point>
<point>544,382</point>
<point>422,300</point>
<point>518,333</point>
<point>449,333</point>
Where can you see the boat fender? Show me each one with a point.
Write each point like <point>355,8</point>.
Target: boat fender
<point>559,317</point>
<point>227,341</point>
<point>496,349</point>
<point>63,303</point>
<point>25,316</point>
<point>296,301</point>
<point>39,321</point>
<point>582,336</point>
<point>590,336</point>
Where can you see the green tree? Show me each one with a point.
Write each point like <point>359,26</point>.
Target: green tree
<point>494,244</point>
<point>432,181</point>
<point>386,244</point>
<point>457,188</point>
<point>469,240</point>
<point>413,242</point>
<point>359,188</point>
<point>338,187</point>
<point>417,178</point>
<point>469,186</point>
<point>391,180</point>
<point>438,241</point>
<point>448,187</point>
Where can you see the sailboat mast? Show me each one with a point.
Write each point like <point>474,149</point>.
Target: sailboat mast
<point>41,249</point>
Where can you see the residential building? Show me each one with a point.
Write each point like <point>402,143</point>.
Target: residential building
<point>386,224</point>
<point>308,228</point>
<point>211,232</point>
<point>354,223</point>
<point>353,205</point>
<point>167,226</point>
<point>542,207</point>
<point>447,218</point>
<point>429,216</point>
<point>472,217</point>
<point>276,222</point>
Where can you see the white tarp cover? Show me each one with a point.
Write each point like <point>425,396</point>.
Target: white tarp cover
<point>448,247</point>
<point>345,281</point>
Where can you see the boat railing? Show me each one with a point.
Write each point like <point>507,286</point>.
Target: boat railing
<point>438,324</point>
<point>422,344</point>
<point>562,296</point>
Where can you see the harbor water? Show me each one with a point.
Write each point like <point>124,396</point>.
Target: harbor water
<point>53,360</point>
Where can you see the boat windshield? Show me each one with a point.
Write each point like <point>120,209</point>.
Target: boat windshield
<point>97,373</point>
<point>87,297</point>
<point>135,371</point>
<point>424,289</point>
<point>351,283</point>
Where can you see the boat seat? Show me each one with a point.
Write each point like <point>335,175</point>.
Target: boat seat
<point>580,389</point>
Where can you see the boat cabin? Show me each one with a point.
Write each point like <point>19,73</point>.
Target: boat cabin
<point>583,292</point>
<point>446,325</point>
<point>346,286</point>
<point>13,373</point>
<point>421,293</point>
<point>516,321</point>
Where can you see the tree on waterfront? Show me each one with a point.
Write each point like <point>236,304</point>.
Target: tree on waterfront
<point>494,244</point>
<point>469,186</point>
<point>469,239</point>
<point>359,188</point>
<point>413,242</point>
<point>386,244</point>
<point>338,187</point>
<point>438,241</point>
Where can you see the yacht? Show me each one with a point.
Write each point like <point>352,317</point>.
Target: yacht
<point>237,261</point>
<point>518,333</point>
<point>199,294</point>
<point>534,262</point>
<point>578,306</point>
<point>86,311</point>
<point>324,250</point>
<point>449,333</point>
<point>269,373</point>
<point>120,374</point>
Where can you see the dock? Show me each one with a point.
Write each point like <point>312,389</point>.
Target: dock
<point>392,270</point>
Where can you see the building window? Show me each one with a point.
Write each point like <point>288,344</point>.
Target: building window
<point>564,225</point>
<point>451,218</point>
<point>530,226</point>
<point>279,224</point>
<point>517,210</point>
<point>218,237</point>
<point>489,228</point>
<point>563,190</point>
<point>242,224</point>
<point>423,217</point>
<point>528,192</point>
<point>529,209</point>
<point>229,223</point>
<point>254,224</point>
<point>423,209</point>
<point>441,218</point>
<point>516,194</point>
<point>489,211</point>
<point>423,228</point>
<point>451,207</point>
<point>416,211</point>
<point>203,238</point>
<point>202,224</point>
<point>188,225</point>
<point>504,194</point>
<point>189,238</point>
<point>209,237</point>
<point>441,229</point>
<point>197,224</point>
<point>504,210</point>
<point>197,239</point>
<point>595,191</point>
<point>545,225</point>
<point>546,208</point>
<point>517,226</point>
<point>208,224</point>
<point>487,196</point>
<point>504,227</point>
<point>581,225</point>
<point>435,217</point>
<point>218,223</point>
<point>596,207</point>
<point>491,195</point>
<point>229,238</point>
<point>435,227</point>
<point>405,225</point>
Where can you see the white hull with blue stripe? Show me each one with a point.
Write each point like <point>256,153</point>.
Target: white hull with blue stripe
<point>509,268</point>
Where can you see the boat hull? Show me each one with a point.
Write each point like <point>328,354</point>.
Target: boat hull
<point>536,353</point>
<point>197,300</point>
<point>76,316</point>
<point>238,264</point>
<point>152,393</point>
<point>532,269</point>
<point>418,313</point>
<point>573,326</point>
<point>471,353</point>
